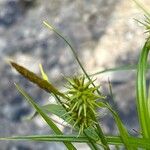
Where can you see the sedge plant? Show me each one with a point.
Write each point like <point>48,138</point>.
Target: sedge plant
<point>81,100</point>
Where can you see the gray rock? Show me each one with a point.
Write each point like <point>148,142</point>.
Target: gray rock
<point>96,34</point>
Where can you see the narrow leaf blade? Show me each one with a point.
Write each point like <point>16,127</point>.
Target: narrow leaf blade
<point>44,116</point>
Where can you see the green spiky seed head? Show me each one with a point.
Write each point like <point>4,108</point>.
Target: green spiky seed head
<point>82,102</point>
<point>146,24</point>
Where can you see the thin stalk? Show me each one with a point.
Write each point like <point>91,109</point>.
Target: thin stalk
<point>115,69</point>
<point>84,71</point>
<point>112,140</point>
<point>73,51</point>
<point>92,144</point>
<point>100,133</point>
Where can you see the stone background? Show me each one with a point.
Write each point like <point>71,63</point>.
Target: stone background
<point>104,34</point>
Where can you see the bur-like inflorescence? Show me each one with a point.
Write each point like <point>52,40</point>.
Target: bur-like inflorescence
<point>147,28</point>
<point>146,24</point>
<point>82,102</point>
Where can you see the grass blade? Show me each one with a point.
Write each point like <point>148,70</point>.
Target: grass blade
<point>120,68</point>
<point>68,43</point>
<point>112,140</point>
<point>142,7</point>
<point>141,91</point>
<point>57,110</point>
<point>49,138</point>
<point>135,142</point>
<point>44,116</point>
<point>122,130</point>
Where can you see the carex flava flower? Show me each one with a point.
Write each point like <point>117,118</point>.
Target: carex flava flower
<point>146,24</point>
<point>82,102</point>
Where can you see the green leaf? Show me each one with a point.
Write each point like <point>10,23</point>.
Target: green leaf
<point>133,141</point>
<point>112,140</point>
<point>122,130</point>
<point>142,7</point>
<point>49,138</point>
<point>141,92</point>
<point>44,116</point>
<point>92,133</point>
<point>120,68</point>
<point>59,111</point>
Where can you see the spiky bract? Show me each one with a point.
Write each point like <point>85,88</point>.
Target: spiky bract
<point>82,102</point>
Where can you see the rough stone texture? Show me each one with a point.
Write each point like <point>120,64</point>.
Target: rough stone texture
<point>104,35</point>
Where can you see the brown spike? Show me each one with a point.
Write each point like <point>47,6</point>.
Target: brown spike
<point>43,84</point>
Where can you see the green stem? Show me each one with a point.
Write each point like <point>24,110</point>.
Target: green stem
<point>112,140</point>
<point>73,51</point>
<point>92,144</point>
<point>100,133</point>
<point>77,59</point>
<point>141,92</point>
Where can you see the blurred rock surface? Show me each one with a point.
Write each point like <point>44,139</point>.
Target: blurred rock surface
<point>102,31</point>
